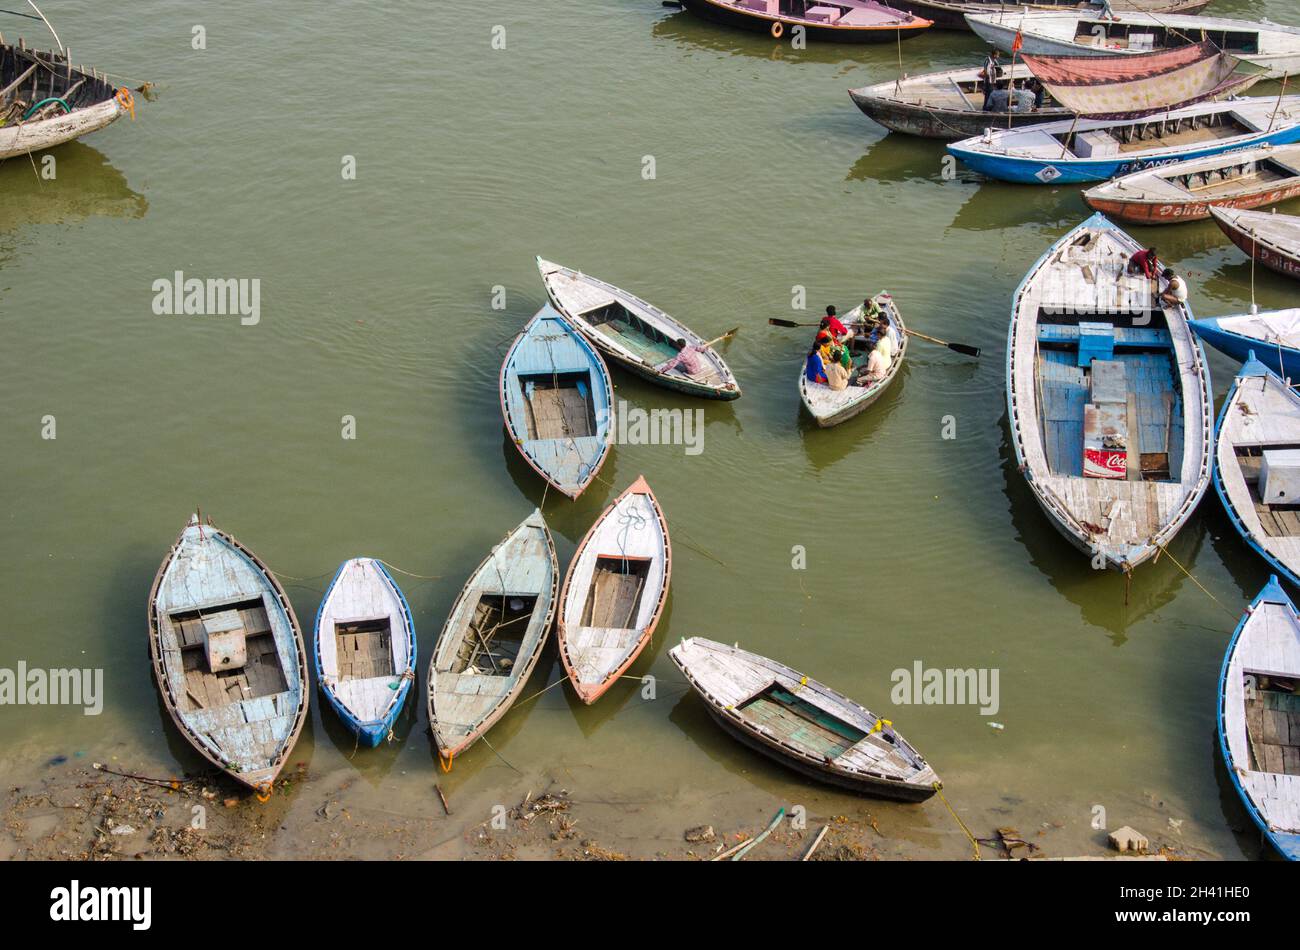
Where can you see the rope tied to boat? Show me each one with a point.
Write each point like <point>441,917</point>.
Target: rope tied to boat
<point>1165,551</point>
<point>938,788</point>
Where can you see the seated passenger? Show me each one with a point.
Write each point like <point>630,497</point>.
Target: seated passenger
<point>814,369</point>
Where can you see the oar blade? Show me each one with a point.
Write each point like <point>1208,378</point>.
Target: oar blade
<point>774,321</point>
<point>964,349</point>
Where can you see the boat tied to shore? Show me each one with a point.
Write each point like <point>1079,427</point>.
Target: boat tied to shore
<point>823,21</point>
<point>1270,238</point>
<point>228,654</point>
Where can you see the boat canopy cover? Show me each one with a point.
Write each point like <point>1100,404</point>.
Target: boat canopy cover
<point>1280,326</point>
<point>1132,85</point>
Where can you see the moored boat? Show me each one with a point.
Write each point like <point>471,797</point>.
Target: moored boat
<point>1185,191</point>
<point>614,591</point>
<point>802,723</point>
<point>951,14</point>
<point>365,648</point>
<point>1257,465</point>
<point>1259,716</point>
<point>823,21</point>
<point>557,399</point>
<point>228,654</point>
<point>1270,238</point>
<point>830,407</point>
<point>1108,395</point>
<point>1271,48</point>
<point>45,100</point>
<point>637,336</point>
<point>1273,337</point>
<point>493,636</point>
<point>1087,150</point>
<point>949,104</point>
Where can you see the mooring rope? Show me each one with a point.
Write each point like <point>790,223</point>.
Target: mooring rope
<point>1164,550</point>
<point>974,844</point>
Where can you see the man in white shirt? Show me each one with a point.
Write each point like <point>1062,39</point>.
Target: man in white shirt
<point>1175,293</point>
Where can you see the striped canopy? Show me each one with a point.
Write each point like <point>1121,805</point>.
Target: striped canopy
<point>1129,85</point>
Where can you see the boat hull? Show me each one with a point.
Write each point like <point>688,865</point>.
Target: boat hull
<point>877,788</point>
<point>952,16</point>
<point>946,124</point>
<point>763,23</point>
<point>1157,212</point>
<point>1272,258</point>
<point>666,380</point>
<point>1283,360</point>
<point>38,136</point>
<point>1038,171</point>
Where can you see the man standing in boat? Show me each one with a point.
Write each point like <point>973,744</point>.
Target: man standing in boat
<point>989,76</point>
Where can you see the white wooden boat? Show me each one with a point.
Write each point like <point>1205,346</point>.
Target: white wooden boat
<point>493,637</point>
<point>638,336</point>
<point>1259,716</point>
<point>1272,48</point>
<point>45,100</point>
<point>951,14</point>
<point>557,400</point>
<point>228,654</point>
<point>365,648</point>
<point>1260,424</point>
<point>949,104</point>
<point>1108,395</point>
<point>802,723</point>
<point>830,407</point>
<point>614,591</point>
<point>1186,191</point>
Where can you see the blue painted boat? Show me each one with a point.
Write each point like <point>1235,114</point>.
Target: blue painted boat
<point>557,400</point>
<point>1109,399</point>
<point>1260,419</point>
<point>1259,716</point>
<point>364,646</point>
<point>228,654</point>
<point>1099,149</point>
<point>1272,336</point>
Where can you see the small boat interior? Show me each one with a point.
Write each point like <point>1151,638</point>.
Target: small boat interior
<point>799,723</point>
<point>629,330</point>
<point>1233,177</point>
<point>228,653</point>
<point>491,643</point>
<point>1272,722</point>
<point>29,78</point>
<point>826,12</point>
<point>1278,519</point>
<point>559,405</point>
<point>1146,134</point>
<point>614,598</point>
<point>364,649</point>
<point>1110,400</point>
<point>1147,37</point>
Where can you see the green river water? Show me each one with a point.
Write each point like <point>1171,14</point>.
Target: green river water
<point>376,303</point>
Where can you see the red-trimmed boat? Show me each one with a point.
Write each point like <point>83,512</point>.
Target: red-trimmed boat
<point>825,21</point>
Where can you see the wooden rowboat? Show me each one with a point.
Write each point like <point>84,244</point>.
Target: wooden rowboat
<point>951,14</point>
<point>825,21</point>
<point>1272,337</point>
<point>228,654</point>
<point>1186,191</point>
<point>365,648</point>
<point>614,591</point>
<point>1270,238</point>
<point>1272,48</point>
<point>948,104</point>
<point>1259,716</point>
<point>830,407</point>
<point>556,397</point>
<point>1108,394</point>
<point>1087,150</point>
<point>1259,424</point>
<point>638,336</point>
<point>46,101</point>
<point>493,637</point>
<point>802,723</point>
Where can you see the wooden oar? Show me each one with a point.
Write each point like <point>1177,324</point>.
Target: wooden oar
<point>962,348</point>
<point>730,333</point>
